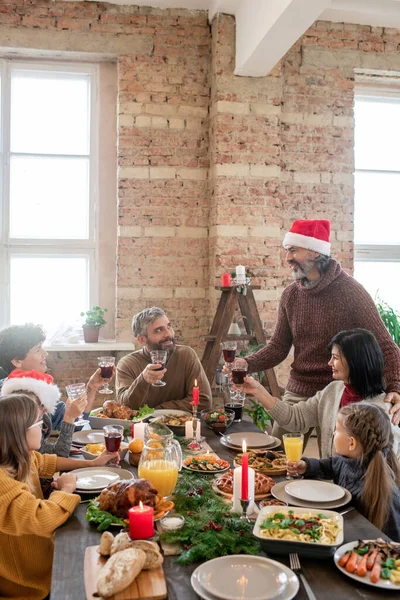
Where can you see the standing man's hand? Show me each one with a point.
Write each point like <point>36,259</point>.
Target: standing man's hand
<point>394,398</point>
<point>151,374</point>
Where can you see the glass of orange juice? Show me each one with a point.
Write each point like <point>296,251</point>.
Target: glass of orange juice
<point>293,444</point>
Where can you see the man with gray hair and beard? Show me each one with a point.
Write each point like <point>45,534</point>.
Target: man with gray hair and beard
<point>322,301</point>
<point>137,376</point>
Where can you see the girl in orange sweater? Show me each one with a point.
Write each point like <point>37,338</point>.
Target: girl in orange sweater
<point>27,521</point>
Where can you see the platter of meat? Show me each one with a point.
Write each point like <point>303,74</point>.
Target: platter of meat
<point>373,562</point>
<point>111,507</point>
<point>224,485</point>
<point>116,413</point>
<point>265,461</point>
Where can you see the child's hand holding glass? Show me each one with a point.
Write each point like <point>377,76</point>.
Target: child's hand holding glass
<point>295,469</point>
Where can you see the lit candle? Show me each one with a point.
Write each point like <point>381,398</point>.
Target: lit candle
<point>237,490</point>
<point>141,522</point>
<point>195,394</point>
<point>189,430</point>
<point>140,428</point>
<point>245,472</point>
<point>240,270</point>
<point>226,280</point>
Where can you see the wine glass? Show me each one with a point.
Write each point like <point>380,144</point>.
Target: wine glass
<point>113,437</point>
<point>293,444</point>
<point>74,390</point>
<point>159,357</point>
<point>106,364</point>
<point>229,351</point>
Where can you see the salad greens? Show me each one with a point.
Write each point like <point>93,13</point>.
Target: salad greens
<point>101,517</point>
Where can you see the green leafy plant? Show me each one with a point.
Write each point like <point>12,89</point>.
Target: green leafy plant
<point>260,416</point>
<point>94,317</point>
<point>391,319</point>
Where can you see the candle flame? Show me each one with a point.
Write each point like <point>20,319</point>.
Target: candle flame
<point>141,505</point>
<point>195,383</point>
<point>244,446</point>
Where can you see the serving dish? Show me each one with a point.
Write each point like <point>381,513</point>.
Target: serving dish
<point>315,549</point>
<point>265,461</point>
<point>174,419</point>
<point>90,454</point>
<point>97,421</point>
<point>207,464</point>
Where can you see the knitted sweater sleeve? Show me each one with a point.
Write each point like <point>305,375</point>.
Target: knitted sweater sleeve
<point>63,444</point>
<point>132,389</point>
<point>297,417</point>
<point>365,314</point>
<point>319,468</point>
<point>278,346</point>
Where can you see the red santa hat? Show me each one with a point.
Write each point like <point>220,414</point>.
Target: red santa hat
<point>38,383</point>
<point>309,234</point>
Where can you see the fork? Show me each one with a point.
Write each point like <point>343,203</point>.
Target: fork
<point>296,567</point>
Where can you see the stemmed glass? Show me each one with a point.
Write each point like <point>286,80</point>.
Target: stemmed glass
<point>74,390</point>
<point>159,357</point>
<point>293,444</point>
<point>229,352</point>
<point>106,364</point>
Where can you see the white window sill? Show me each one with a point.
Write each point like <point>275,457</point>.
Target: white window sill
<point>102,345</point>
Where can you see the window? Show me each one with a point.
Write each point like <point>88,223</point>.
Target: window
<point>49,166</point>
<point>377,191</point>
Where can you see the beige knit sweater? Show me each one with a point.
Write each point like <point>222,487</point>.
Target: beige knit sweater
<point>320,411</point>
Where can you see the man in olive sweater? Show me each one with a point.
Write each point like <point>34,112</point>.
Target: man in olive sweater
<point>322,301</point>
<point>136,374</point>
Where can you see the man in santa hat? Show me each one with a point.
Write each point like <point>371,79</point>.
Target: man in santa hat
<point>322,300</point>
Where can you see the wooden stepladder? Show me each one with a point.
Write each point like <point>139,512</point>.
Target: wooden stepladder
<point>228,302</point>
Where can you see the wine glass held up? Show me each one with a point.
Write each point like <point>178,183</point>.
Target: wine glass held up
<point>106,364</point>
<point>229,352</point>
<point>75,391</point>
<point>159,357</point>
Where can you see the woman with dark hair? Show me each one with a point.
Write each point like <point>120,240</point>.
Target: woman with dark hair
<point>357,369</point>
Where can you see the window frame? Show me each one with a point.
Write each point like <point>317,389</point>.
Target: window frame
<point>384,89</point>
<point>41,247</point>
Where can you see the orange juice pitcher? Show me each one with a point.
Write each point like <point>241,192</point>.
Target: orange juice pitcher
<point>161,458</point>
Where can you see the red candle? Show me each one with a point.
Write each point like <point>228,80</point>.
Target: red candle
<point>226,280</point>
<point>133,430</point>
<point>141,522</point>
<point>245,473</point>
<point>195,394</point>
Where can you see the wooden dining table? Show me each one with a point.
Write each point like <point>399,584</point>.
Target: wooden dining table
<point>326,581</point>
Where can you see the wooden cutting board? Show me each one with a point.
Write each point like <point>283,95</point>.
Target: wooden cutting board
<point>149,585</point>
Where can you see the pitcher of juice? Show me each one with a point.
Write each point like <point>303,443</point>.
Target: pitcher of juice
<point>161,458</point>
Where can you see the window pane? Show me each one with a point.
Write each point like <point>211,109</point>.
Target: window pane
<point>377,134</point>
<point>377,208</point>
<point>48,289</point>
<point>49,198</point>
<point>50,112</point>
<point>380,279</point>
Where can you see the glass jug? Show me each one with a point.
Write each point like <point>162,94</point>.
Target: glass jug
<point>161,458</point>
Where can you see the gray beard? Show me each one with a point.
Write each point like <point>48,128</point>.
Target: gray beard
<point>303,270</point>
<point>152,346</point>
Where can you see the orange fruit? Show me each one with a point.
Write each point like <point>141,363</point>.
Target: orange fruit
<point>136,446</point>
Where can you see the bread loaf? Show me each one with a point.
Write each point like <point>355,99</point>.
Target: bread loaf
<point>119,571</point>
<point>105,544</point>
<point>153,556</point>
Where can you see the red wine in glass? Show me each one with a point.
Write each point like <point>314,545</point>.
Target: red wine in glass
<point>112,441</point>
<point>237,409</point>
<point>106,372</point>
<point>229,355</point>
<point>160,368</point>
<point>238,376</point>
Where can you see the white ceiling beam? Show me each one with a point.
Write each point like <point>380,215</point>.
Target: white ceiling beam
<point>385,13</point>
<point>267,29</point>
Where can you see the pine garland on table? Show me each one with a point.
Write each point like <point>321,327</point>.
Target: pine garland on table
<point>210,529</point>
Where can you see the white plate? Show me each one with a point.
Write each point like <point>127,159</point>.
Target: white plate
<point>383,584</point>
<point>88,436</point>
<point>278,491</point>
<point>163,411</point>
<point>311,490</point>
<point>95,479</point>
<point>274,444</point>
<point>255,578</point>
<point>253,439</point>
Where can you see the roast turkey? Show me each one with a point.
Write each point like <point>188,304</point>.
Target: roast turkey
<point>119,497</point>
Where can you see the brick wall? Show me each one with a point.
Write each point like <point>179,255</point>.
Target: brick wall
<point>213,168</point>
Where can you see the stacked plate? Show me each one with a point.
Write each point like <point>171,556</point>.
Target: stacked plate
<point>95,479</point>
<point>311,493</point>
<point>88,436</point>
<point>242,576</point>
<point>253,441</point>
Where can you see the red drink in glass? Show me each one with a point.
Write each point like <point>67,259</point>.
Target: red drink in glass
<point>238,376</point>
<point>106,372</point>
<point>229,355</point>
<point>113,441</point>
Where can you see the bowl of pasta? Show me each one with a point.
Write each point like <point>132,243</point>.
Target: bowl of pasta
<point>310,532</point>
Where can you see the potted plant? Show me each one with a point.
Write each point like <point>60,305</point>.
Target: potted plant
<point>93,321</point>
<point>391,319</point>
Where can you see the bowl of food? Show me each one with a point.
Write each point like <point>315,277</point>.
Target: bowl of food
<point>174,420</point>
<point>116,413</point>
<point>218,419</point>
<point>91,451</point>
<point>311,532</point>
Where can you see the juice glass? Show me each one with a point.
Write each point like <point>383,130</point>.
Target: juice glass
<point>293,444</point>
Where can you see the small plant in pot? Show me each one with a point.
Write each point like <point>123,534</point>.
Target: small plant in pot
<point>93,320</point>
